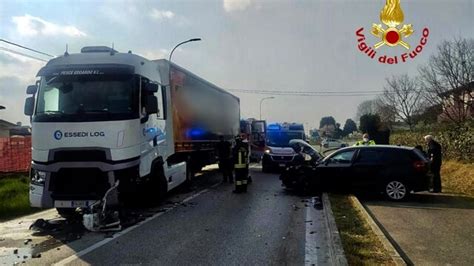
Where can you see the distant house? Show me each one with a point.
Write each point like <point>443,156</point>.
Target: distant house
<point>8,129</point>
<point>458,103</point>
<point>5,127</point>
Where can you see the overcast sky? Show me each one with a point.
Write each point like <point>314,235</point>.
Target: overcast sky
<point>247,45</point>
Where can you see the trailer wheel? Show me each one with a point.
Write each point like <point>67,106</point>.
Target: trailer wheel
<point>265,168</point>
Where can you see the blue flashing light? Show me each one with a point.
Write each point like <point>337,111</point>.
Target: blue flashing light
<point>151,130</point>
<point>195,132</point>
<point>274,127</point>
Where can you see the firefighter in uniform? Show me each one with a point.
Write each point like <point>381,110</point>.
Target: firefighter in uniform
<point>241,165</point>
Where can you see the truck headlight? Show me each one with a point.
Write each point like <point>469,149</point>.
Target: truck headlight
<point>267,151</point>
<point>38,177</point>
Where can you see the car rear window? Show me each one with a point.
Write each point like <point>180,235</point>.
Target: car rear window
<point>419,155</point>
<point>396,156</point>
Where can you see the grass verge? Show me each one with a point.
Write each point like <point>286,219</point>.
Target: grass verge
<point>361,245</point>
<point>14,201</point>
<point>458,177</point>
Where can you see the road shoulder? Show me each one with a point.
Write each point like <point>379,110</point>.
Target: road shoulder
<point>361,245</point>
<point>399,261</point>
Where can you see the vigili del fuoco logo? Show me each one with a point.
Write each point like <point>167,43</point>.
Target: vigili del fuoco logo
<point>393,33</point>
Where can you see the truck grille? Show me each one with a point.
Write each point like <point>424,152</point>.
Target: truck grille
<point>79,156</point>
<point>282,158</point>
<point>78,184</point>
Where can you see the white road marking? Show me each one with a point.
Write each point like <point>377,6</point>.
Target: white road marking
<point>121,233</point>
<point>316,239</point>
<point>311,253</point>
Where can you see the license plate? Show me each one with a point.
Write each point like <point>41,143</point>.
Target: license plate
<point>282,165</point>
<point>72,203</point>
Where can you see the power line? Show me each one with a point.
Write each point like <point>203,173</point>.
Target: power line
<point>304,92</point>
<point>22,54</point>
<point>311,94</point>
<point>27,48</point>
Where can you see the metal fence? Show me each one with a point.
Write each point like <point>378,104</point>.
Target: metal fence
<point>15,154</point>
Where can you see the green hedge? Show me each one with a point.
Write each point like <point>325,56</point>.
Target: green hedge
<point>457,142</point>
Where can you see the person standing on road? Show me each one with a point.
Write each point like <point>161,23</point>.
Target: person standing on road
<point>366,141</point>
<point>224,151</point>
<point>434,154</point>
<point>241,165</point>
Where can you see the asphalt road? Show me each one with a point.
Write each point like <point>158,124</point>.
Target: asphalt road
<point>429,229</point>
<point>205,224</point>
<point>218,228</point>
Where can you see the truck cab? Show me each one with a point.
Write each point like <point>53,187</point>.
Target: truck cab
<point>99,120</point>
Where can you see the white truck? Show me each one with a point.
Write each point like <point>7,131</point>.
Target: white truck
<point>109,122</point>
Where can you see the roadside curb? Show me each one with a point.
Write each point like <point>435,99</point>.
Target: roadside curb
<point>335,246</point>
<point>378,232</point>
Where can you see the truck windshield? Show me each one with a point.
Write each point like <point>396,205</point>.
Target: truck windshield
<point>87,98</point>
<point>282,139</point>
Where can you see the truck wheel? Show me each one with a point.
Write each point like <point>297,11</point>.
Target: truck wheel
<point>156,189</point>
<point>162,186</point>
<point>396,190</point>
<point>66,212</point>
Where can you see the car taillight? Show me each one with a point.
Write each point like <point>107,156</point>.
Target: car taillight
<point>419,166</point>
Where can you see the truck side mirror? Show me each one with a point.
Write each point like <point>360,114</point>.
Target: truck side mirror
<point>32,89</point>
<point>29,106</point>
<point>151,87</point>
<point>151,106</point>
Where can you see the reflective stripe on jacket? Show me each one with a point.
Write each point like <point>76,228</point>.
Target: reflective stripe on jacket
<point>363,143</point>
<point>242,158</point>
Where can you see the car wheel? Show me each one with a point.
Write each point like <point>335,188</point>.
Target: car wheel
<point>396,190</point>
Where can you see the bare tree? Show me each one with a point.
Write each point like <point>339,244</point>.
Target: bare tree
<point>403,96</point>
<point>365,108</point>
<point>376,106</point>
<point>386,112</point>
<point>447,79</point>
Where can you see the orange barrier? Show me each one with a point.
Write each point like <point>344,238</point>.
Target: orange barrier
<point>15,154</point>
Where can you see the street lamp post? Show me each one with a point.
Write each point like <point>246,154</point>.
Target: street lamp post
<point>261,101</point>
<point>171,54</point>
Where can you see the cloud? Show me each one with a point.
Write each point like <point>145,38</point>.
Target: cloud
<point>17,73</point>
<point>161,14</point>
<point>28,25</point>
<point>236,5</point>
<point>12,95</point>
<point>154,54</point>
